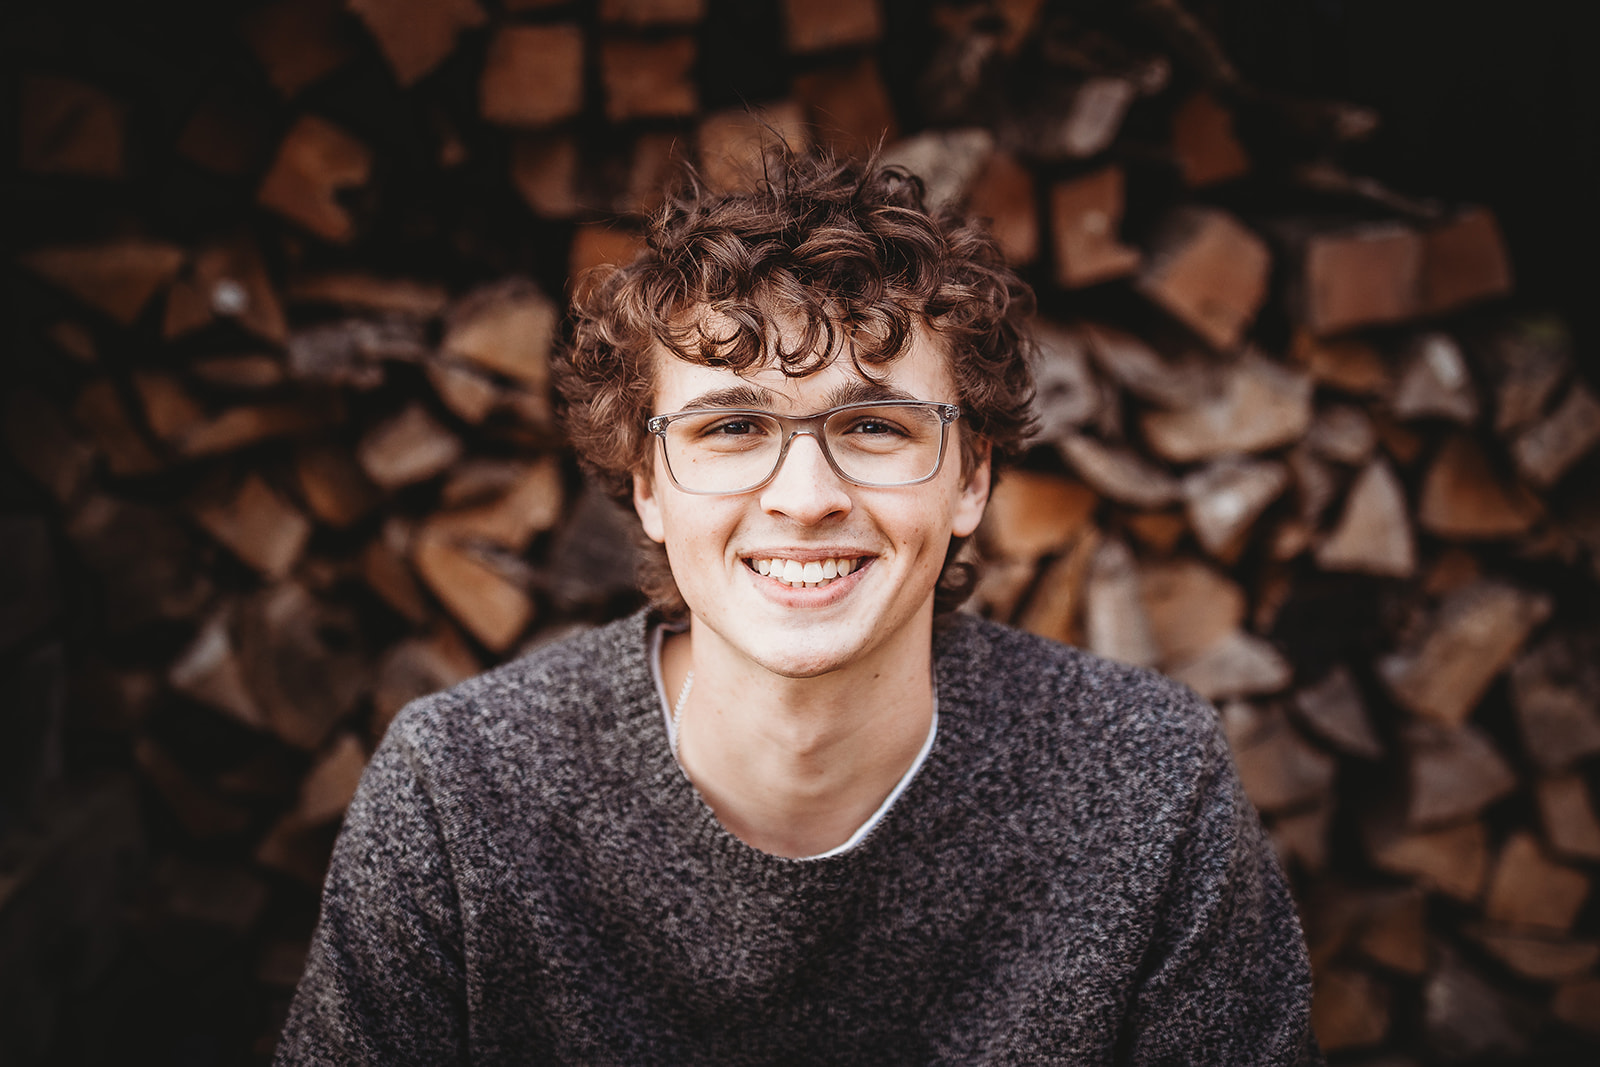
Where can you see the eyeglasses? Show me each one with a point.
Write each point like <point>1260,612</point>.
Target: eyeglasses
<point>878,444</point>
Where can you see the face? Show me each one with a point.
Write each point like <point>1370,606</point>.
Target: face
<point>893,539</point>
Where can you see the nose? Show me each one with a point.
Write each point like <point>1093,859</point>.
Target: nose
<point>805,488</point>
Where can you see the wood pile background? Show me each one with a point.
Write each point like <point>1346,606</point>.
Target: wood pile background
<point>281,454</point>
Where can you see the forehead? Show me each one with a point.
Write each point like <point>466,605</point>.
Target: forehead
<point>921,372</point>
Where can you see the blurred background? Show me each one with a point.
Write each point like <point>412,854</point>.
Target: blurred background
<point>1318,387</point>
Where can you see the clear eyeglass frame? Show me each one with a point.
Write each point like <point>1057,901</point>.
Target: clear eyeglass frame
<point>794,426</point>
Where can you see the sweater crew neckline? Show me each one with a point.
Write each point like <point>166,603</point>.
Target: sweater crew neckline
<point>679,796</point>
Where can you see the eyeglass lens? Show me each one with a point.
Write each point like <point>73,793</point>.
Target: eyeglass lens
<point>731,451</point>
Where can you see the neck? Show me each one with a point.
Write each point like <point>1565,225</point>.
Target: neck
<point>794,766</point>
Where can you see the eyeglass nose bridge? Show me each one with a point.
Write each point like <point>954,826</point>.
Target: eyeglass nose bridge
<point>811,426</point>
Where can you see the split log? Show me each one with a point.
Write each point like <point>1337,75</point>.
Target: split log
<point>470,394</point>
<point>315,161</point>
<point>228,280</point>
<point>248,424</point>
<point>169,410</point>
<point>330,785</point>
<point>531,504</point>
<point>1068,395</point>
<point>947,161</point>
<point>1435,382</point>
<point>1334,711</point>
<point>416,35</point>
<point>208,670</point>
<point>1190,605</point>
<point>409,447</point>
<point>733,143</point>
<point>475,587</point>
<point>258,525</point>
<point>1085,215</point>
<point>1465,1017</point>
<point>1114,621</point>
<point>352,351</point>
<point>1077,121</point>
<point>1261,405</point>
<point>506,328</point>
<point>249,371</point>
<point>1465,261</point>
<point>385,569</point>
<point>1057,604</point>
<point>416,667</point>
<point>1578,1005</point>
<point>1452,773</point>
<point>1567,811</point>
<point>1316,485</point>
<point>1552,689</point>
<point>1528,890</point>
<point>298,42</point>
<point>652,12</point>
<point>1549,449</point>
<point>333,484</point>
<point>1394,932</point>
<point>1464,497</point>
<point>818,25</point>
<point>1128,360</point>
<point>118,278</point>
<point>649,78</point>
<point>1225,498</point>
<point>70,127</point>
<point>1349,1009</point>
<point>1031,515</point>
<point>302,660</point>
<point>1348,364</point>
<point>547,169</point>
<point>532,75</point>
<point>353,291</point>
<point>1538,956</point>
<point>1120,474</point>
<point>1301,837</point>
<point>1343,433</point>
<point>1361,277</point>
<point>1209,271</point>
<point>1279,769</point>
<point>1526,361</point>
<point>1238,665</point>
<point>848,107</point>
<point>1158,531</point>
<point>1204,145</point>
<point>1476,632</point>
<point>1453,860</point>
<point>1004,194</point>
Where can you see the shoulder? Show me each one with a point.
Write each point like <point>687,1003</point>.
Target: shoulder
<point>1071,736</point>
<point>534,708</point>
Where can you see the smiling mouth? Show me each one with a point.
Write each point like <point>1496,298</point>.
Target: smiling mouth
<point>808,575</point>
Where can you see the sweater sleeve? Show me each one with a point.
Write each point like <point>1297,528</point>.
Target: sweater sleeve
<point>1227,979</point>
<point>384,981</point>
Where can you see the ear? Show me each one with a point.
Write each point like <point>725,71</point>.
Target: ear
<point>648,505</point>
<point>974,495</point>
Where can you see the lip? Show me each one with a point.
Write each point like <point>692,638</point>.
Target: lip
<point>823,595</point>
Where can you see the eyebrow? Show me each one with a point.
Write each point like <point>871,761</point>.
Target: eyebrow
<point>753,396</point>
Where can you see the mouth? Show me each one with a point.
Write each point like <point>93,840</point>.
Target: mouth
<point>807,574</point>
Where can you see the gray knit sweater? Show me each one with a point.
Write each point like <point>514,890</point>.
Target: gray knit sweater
<point>1074,876</point>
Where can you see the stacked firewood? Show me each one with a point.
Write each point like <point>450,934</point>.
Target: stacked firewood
<point>286,455</point>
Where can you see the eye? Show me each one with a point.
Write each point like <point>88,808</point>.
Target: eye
<point>875,427</point>
<point>734,427</point>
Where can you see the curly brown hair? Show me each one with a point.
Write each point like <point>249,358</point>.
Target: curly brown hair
<point>847,258</point>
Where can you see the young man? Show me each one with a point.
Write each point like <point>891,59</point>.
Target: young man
<point>798,812</point>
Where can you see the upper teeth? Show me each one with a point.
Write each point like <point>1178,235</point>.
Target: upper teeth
<point>815,572</point>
